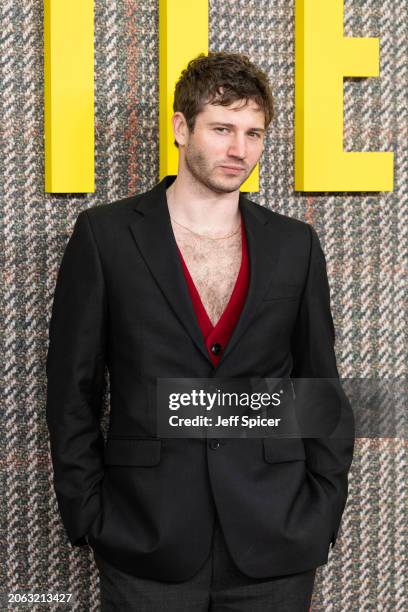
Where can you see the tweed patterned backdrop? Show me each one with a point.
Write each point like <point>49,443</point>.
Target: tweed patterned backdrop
<point>364,237</point>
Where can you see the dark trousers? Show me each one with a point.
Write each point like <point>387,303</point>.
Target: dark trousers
<point>219,586</point>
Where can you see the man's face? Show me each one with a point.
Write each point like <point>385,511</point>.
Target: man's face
<point>225,145</point>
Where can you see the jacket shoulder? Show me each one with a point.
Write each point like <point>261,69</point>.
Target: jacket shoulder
<point>115,209</point>
<point>283,222</point>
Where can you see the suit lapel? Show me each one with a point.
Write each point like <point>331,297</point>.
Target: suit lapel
<point>263,249</point>
<point>155,239</point>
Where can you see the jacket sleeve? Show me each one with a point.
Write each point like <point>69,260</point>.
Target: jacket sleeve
<point>75,370</point>
<point>328,459</point>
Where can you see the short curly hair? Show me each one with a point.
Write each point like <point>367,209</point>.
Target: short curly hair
<point>221,78</point>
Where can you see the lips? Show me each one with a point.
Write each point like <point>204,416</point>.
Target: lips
<point>233,168</point>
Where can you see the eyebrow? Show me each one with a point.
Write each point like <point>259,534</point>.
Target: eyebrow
<point>231,125</point>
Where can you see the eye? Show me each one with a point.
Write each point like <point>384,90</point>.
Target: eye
<point>255,134</point>
<point>221,128</point>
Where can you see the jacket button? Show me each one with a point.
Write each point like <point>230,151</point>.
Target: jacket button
<point>214,444</point>
<point>216,348</point>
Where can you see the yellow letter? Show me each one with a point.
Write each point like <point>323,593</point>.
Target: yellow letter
<point>183,34</point>
<point>69,96</point>
<point>323,56</point>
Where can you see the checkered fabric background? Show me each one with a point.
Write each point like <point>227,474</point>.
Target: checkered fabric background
<point>364,237</point>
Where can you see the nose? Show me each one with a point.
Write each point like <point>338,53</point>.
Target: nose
<point>237,147</point>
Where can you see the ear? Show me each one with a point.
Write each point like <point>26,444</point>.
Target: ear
<point>180,128</point>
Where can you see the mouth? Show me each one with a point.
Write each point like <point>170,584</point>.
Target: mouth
<point>232,169</point>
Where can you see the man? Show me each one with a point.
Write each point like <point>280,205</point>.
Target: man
<point>193,280</point>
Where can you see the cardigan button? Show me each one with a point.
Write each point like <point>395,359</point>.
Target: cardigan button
<point>216,348</point>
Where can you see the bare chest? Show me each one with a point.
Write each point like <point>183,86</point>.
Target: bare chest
<point>213,266</point>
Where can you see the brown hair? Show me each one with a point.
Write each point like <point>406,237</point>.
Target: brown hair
<point>201,82</point>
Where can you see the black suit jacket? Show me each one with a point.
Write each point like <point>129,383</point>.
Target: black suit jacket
<point>147,504</point>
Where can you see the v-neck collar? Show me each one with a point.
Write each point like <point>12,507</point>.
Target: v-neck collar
<point>222,330</point>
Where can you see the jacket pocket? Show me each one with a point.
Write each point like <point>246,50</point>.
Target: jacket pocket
<point>282,291</point>
<point>132,451</point>
<point>278,450</point>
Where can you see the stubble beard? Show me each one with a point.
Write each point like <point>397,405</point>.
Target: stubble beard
<point>203,173</point>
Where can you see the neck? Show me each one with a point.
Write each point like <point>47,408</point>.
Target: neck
<point>201,209</point>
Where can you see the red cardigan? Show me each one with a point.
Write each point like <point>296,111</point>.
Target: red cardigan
<point>216,337</point>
